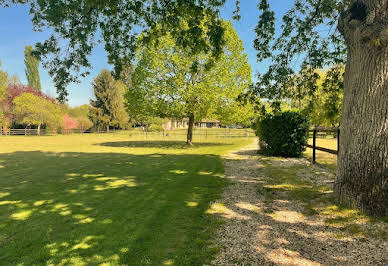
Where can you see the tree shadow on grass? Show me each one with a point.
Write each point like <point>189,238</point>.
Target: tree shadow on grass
<point>160,144</point>
<point>92,208</point>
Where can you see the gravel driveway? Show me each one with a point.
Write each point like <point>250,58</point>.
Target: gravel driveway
<point>265,227</point>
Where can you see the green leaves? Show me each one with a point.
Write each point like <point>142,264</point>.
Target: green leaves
<point>32,68</point>
<point>283,134</point>
<point>171,81</point>
<point>30,109</point>
<point>308,40</point>
<point>265,31</point>
<point>79,25</point>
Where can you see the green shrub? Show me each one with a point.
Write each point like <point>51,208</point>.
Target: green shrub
<point>283,134</point>
<point>155,128</point>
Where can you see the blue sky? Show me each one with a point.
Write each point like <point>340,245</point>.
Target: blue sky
<point>16,32</point>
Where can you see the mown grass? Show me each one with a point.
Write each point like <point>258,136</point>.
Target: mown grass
<point>94,199</point>
<point>286,182</point>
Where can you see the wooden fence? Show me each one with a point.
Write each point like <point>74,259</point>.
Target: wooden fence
<point>24,132</point>
<point>201,133</point>
<point>316,131</point>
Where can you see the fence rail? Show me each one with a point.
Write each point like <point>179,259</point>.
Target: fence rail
<point>315,132</point>
<point>24,132</point>
<point>203,133</point>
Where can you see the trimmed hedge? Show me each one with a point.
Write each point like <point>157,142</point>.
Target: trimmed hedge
<point>284,134</point>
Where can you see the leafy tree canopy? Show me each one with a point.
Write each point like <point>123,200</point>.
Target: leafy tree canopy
<point>84,23</point>
<point>166,83</point>
<point>309,38</point>
<point>323,103</point>
<point>30,109</point>
<point>78,111</point>
<point>3,82</point>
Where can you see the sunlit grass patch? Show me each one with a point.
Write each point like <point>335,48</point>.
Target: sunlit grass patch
<point>323,158</point>
<point>290,183</point>
<point>109,200</point>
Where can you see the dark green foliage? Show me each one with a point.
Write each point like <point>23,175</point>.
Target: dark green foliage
<point>107,110</point>
<point>283,134</point>
<point>32,68</point>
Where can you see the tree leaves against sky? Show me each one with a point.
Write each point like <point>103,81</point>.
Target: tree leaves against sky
<point>308,40</point>
<point>78,25</point>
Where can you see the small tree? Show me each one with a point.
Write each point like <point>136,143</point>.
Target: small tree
<point>108,107</point>
<point>30,109</point>
<point>32,68</point>
<point>84,123</point>
<point>13,91</point>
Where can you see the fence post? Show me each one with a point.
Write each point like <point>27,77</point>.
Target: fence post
<point>338,140</point>
<point>314,143</point>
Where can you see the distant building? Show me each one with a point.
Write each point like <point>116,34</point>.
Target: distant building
<point>171,124</point>
<point>208,123</point>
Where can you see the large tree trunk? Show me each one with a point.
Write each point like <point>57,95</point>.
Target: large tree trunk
<point>38,131</point>
<point>190,130</point>
<point>362,179</point>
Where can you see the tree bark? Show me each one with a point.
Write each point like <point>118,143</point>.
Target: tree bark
<point>190,130</point>
<point>38,130</point>
<point>362,179</point>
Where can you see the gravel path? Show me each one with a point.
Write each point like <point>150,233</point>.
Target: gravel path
<point>252,235</point>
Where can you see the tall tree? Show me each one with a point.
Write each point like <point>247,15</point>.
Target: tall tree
<point>76,25</point>
<point>170,81</point>
<point>32,68</point>
<point>3,86</point>
<point>107,109</point>
<point>357,33</point>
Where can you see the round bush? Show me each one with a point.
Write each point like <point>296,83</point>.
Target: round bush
<point>283,134</point>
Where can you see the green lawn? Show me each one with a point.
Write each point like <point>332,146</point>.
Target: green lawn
<point>92,199</point>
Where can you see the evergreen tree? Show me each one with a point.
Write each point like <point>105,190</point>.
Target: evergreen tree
<point>107,109</point>
<point>32,68</point>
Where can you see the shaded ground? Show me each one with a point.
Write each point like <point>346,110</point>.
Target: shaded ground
<point>281,211</point>
<point>159,144</point>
